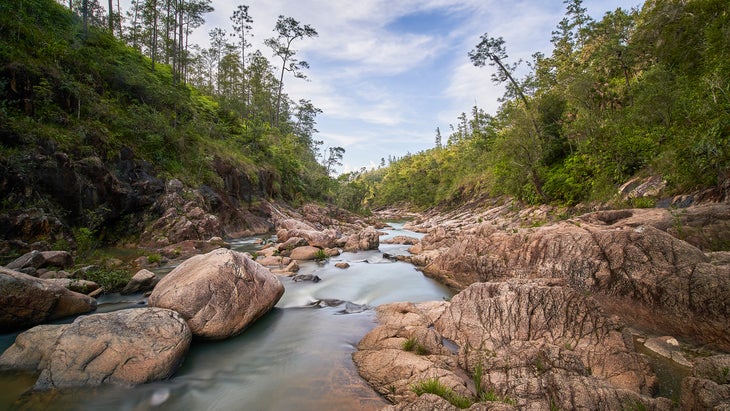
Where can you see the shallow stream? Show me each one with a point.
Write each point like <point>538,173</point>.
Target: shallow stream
<point>297,357</point>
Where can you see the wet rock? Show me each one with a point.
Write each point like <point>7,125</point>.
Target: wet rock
<point>126,347</point>
<point>305,253</point>
<point>367,239</point>
<point>143,280</point>
<point>219,294</point>
<point>342,265</point>
<point>27,301</point>
<point>306,277</point>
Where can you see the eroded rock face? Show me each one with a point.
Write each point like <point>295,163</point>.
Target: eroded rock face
<point>539,344</point>
<point>26,301</point>
<point>219,293</point>
<point>648,274</point>
<point>125,347</point>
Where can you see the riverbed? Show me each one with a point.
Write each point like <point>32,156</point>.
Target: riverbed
<point>296,357</point>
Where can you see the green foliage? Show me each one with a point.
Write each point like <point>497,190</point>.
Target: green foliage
<point>84,93</point>
<point>320,255</point>
<point>154,258</point>
<point>86,242</point>
<point>637,92</point>
<point>110,280</point>
<point>434,386</point>
<point>411,344</point>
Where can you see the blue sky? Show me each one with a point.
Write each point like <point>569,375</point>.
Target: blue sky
<point>386,73</point>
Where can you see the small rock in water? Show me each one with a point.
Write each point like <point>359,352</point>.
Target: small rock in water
<point>352,308</point>
<point>306,277</point>
<point>159,396</point>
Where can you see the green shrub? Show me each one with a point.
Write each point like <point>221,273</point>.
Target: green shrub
<point>320,255</point>
<point>110,280</point>
<point>154,258</point>
<point>412,345</point>
<point>434,386</point>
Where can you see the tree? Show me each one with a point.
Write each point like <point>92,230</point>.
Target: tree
<point>217,47</point>
<point>241,27</point>
<point>288,30</point>
<point>306,114</point>
<point>491,51</point>
<point>438,137</point>
<point>334,158</point>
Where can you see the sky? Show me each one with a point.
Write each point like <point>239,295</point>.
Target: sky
<point>387,73</point>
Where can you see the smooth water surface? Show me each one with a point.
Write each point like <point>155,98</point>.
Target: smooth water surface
<point>297,357</point>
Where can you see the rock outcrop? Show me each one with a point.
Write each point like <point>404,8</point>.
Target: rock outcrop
<point>126,347</point>
<point>632,259</point>
<point>26,301</point>
<point>537,345</point>
<point>219,293</point>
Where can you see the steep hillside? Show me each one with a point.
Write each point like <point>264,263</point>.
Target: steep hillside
<point>91,134</point>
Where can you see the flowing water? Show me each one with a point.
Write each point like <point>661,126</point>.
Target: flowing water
<point>297,357</point>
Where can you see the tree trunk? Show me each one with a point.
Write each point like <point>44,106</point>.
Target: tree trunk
<point>154,34</point>
<point>111,17</point>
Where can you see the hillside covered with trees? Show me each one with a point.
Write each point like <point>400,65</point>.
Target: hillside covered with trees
<point>96,116</point>
<point>637,93</point>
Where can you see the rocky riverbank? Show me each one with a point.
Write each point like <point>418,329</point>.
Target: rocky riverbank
<point>550,306</point>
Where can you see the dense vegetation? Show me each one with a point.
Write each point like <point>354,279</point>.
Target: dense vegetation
<point>73,81</point>
<point>638,92</point>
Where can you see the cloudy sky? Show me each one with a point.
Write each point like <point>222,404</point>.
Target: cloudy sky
<point>386,73</point>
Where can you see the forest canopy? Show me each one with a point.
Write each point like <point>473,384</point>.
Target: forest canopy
<point>638,92</point>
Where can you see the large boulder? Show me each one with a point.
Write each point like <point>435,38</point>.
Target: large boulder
<point>126,347</point>
<point>26,301</point>
<point>219,293</point>
<point>367,239</point>
<point>292,228</point>
<point>305,253</point>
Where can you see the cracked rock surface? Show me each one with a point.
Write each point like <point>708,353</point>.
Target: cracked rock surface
<point>219,293</point>
<point>537,345</point>
<point>126,347</point>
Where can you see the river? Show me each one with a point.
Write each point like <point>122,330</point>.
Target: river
<point>296,357</point>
